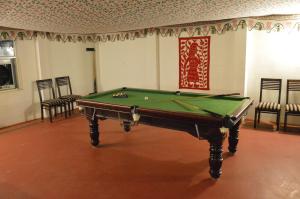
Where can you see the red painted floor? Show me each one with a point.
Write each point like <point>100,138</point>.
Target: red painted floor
<point>43,160</point>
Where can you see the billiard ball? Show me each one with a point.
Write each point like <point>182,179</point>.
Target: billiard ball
<point>120,95</point>
<point>146,98</point>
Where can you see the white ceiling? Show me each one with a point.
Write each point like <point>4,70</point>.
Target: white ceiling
<point>104,16</point>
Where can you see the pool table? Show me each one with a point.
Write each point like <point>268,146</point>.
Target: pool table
<point>203,116</point>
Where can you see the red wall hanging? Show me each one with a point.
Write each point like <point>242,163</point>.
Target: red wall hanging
<point>194,62</point>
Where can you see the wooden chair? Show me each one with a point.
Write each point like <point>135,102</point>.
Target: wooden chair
<point>268,106</point>
<point>69,97</point>
<point>53,102</point>
<point>291,108</point>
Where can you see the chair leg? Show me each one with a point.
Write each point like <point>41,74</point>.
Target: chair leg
<point>285,121</point>
<point>69,108</point>
<point>55,113</point>
<point>61,110</point>
<point>278,121</point>
<point>42,113</point>
<point>65,107</point>
<point>50,113</point>
<point>258,118</point>
<point>72,103</point>
<point>255,116</point>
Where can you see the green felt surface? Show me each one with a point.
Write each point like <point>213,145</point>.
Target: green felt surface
<point>162,100</point>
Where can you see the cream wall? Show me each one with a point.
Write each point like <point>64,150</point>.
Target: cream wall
<point>40,59</point>
<point>68,59</point>
<point>130,63</point>
<point>272,55</point>
<point>20,105</point>
<point>152,62</point>
<point>238,60</point>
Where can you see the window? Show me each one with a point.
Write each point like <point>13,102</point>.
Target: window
<point>8,77</point>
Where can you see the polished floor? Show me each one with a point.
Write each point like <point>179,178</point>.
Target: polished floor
<point>44,160</point>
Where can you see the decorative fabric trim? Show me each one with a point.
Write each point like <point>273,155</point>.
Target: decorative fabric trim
<point>194,57</point>
<point>268,24</point>
<point>293,108</point>
<point>268,106</point>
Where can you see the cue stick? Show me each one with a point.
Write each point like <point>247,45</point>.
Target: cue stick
<point>216,96</point>
<point>221,95</point>
<point>186,98</point>
<point>193,107</point>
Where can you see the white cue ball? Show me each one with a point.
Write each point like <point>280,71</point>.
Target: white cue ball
<point>146,98</point>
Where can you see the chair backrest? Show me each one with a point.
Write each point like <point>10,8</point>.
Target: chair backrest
<point>292,85</point>
<point>270,84</point>
<point>63,81</point>
<point>45,84</point>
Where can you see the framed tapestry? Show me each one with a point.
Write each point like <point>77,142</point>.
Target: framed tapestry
<point>194,57</point>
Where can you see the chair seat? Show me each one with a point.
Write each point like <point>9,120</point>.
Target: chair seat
<point>54,102</point>
<point>70,98</point>
<point>268,106</point>
<point>292,108</point>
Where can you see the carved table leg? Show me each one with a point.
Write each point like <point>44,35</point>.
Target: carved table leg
<point>233,138</point>
<point>215,158</point>
<point>94,131</point>
<point>126,126</point>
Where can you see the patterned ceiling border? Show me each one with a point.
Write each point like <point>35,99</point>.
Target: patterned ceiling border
<point>203,29</point>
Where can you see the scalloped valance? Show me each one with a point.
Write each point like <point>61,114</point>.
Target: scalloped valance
<point>216,27</point>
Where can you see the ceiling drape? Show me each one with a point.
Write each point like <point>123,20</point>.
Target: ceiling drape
<point>268,24</point>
